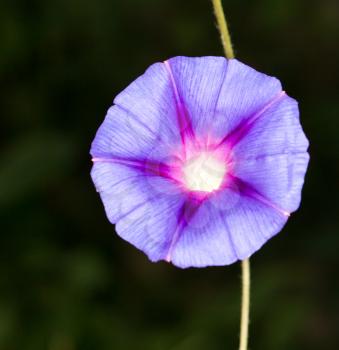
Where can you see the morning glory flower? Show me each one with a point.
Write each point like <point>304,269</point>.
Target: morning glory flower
<point>200,161</point>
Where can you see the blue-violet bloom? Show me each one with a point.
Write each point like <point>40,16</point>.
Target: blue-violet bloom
<point>200,161</point>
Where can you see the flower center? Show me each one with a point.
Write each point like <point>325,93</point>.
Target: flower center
<point>204,173</point>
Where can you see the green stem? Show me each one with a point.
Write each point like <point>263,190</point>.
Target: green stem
<point>223,29</point>
<point>245,264</point>
<point>245,304</point>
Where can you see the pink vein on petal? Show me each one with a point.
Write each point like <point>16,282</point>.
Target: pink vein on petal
<point>184,121</point>
<point>146,166</point>
<point>187,212</point>
<point>172,244</point>
<point>243,128</point>
<point>269,203</point>
<point>248,190</point>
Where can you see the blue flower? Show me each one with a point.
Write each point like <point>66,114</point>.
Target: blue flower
<point>200,161</point>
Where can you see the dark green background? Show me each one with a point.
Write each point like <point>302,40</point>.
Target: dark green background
<point>66,280</point>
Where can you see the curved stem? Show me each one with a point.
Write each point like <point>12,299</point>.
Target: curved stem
<point>223,29</point>
<point>245,264</point>
<point>245,304</point>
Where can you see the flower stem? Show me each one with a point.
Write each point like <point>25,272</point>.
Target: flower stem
<point>223,29</point>
<point>245,304</point>
<point>245,264</point>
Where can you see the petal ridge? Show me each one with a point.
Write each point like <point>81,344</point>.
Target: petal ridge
<point>248,190</point>
<point>233,247</point>
<point>183,221</point>
<point>148,167</point>
<point>184,121</point>
<point>240,131</point>
<point>135,119</point>
<point>220,88</point>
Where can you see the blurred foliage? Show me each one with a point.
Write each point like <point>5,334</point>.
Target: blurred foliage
<point>67,281</point>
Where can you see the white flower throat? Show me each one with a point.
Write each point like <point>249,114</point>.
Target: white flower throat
<point>204,173</point>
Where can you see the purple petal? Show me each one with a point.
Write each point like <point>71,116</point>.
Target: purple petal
<point>272,157</point>
<point>145,209</point>
<point>220,93</point>
<point>204,240</point>
<point>124,139</point>
<point>198,81</point>
<point>150,100</point>
<point>278,178</point>
<point>122,135</point>
<point>275,131</point>
<point>229,226</point>
<point>244,92</point>
<point>250,224</point>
